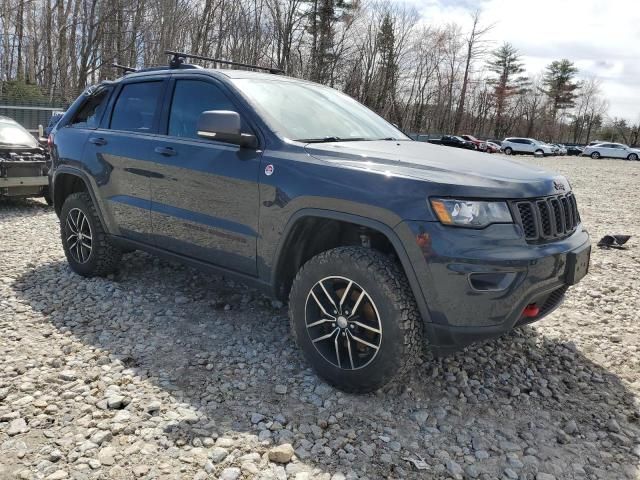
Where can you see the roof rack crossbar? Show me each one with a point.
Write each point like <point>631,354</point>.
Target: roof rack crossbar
<point>178,58</point>
<point>124,68</point>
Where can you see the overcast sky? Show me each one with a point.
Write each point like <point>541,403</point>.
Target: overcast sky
<point>602,37</point>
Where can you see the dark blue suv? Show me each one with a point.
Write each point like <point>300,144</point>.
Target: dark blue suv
<point>377,242</point>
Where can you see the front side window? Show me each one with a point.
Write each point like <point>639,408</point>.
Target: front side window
<point>136,107</point>
<point>90,113</point>
<point>190,99</point>
<point>308,112</point>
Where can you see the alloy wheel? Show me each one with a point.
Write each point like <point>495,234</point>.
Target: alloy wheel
<point>343,323</point>
<point>79,238</point>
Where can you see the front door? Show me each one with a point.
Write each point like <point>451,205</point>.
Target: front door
<point>121,155</point>
<point>204,193</point>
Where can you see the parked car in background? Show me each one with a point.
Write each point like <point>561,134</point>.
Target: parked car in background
<point>492,147</point>
<point>454,141</point>
<point>612,150</point>
<point>562,150</point>
<point>55,118</point>
<point>480,144</point>
<point>23,162</point>
<point>574,150</point>
<point>517,145</point>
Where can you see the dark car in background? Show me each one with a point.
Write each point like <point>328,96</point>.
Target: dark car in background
<point>574,150</point>
<point>480,144</point>
<point>454,141</point>
<point>377,241</point>
<point>55,118</point>
<point>23,162</point>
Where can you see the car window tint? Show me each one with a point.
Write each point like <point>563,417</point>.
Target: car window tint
<point>91,111</point>
<point>190,99</point>
<point>136,107</point>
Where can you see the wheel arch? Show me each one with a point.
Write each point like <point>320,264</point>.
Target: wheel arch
<point>298,245</point>
<point>70,180</point>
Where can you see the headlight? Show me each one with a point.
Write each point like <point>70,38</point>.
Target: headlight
<point>470,213</point>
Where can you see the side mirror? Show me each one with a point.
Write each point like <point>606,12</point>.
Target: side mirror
<point>224,125</point>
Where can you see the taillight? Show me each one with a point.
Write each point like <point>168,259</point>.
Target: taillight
<point>50,141</point>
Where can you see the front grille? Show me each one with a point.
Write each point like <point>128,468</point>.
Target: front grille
<point>547,219</point>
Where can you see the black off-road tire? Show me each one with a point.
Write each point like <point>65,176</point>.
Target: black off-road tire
<point>387,285</point>
<point>104,256</point>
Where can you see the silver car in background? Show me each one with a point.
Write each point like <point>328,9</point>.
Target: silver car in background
<point>612,150</point>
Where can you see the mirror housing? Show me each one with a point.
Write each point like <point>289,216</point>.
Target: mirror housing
<point>224,125</point>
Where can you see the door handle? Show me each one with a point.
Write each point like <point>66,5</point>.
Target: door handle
<point>98,141</point>
<point>166,151</point>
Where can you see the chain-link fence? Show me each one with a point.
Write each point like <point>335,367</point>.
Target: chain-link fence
<point>30,113</point>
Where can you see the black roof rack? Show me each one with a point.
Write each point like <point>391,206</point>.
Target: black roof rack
<point>124,68</point>
<point>179,57</point>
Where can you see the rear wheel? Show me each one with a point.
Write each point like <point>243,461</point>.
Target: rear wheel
<point>595,155</point>
<point>85,243</point>
<point>508,151</point>
<point>355,319</point>
<point>633,156</point>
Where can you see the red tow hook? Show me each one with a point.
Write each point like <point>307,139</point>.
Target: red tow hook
<point>531,310</point>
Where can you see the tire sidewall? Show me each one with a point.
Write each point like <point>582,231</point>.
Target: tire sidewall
<point>388,360</point>
<point>508,151</point>
<point>77,202</point>
<point>595,155</point>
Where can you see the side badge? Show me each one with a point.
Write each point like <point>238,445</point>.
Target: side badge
<point>268,170</point>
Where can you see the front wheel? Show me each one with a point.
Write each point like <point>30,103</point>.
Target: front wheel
<point>633,156</point>
<point>539,153</point>
<point>85,243</point>
<point>595,155</point>
<point>508,151</point>
<point>354,317</point>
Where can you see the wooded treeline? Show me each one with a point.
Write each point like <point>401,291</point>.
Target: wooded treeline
<point>425,78</point>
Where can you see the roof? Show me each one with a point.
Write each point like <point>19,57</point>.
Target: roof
<point>229,73</point>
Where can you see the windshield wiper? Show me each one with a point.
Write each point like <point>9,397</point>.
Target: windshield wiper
<point>330,139</point>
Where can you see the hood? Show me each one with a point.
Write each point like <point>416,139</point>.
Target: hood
<point>442,165</point>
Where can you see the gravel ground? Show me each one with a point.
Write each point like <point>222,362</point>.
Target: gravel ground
<point>164,372</point>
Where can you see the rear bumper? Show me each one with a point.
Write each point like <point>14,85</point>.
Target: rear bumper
<point>477,283</point>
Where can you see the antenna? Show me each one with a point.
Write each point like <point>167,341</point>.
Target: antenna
<point>124,68</point>
<point>179,57</point>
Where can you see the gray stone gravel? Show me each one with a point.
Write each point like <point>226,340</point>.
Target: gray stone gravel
<point>167,373</point>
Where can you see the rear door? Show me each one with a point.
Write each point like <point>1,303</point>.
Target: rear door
<point>619,151</point>
<point>120,153</point>
<point>204,192</point>
<point>605,150</point>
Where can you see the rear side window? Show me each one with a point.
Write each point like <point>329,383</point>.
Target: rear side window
<point>136,107</point>
<point>190,99</point>
<point>91,111</point>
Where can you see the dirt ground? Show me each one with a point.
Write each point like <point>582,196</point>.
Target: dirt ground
<point>164,372</point>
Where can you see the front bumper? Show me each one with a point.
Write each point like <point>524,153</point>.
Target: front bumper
<point>476,284</point>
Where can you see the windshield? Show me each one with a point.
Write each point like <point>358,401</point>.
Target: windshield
<point>13,134</point>
<point>313,113</point>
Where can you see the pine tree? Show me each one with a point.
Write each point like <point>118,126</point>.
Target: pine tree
<point>508,67</point>
<point>387,64</point>
<point>560,86</point>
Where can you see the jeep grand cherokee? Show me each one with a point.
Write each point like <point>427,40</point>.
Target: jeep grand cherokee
<point>377,241</point>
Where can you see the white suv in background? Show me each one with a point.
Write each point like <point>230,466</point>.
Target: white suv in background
<point>514,145</point>
<point>612,150</point>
